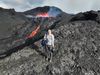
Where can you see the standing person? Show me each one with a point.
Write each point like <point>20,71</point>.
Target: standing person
<point>49,37</point>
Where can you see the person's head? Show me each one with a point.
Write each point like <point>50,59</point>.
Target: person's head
<point>49,31</point>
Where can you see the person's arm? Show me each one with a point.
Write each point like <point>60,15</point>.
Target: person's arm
<point>45,37</point>
<point>53,40</point>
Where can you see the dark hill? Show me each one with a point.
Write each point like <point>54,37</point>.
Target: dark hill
<point>90,15</point>
<point>13,26</point>
<point>45,9</point>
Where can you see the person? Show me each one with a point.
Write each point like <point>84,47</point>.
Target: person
<point>49,44</point>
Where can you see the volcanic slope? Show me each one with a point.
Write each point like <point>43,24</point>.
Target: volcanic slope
<point>76,52</point>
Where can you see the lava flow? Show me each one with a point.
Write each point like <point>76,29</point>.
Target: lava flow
<point>43,15</point>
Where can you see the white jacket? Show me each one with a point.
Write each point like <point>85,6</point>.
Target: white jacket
<point>50,39</point>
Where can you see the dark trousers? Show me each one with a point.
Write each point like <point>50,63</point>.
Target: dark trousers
<point>49,51</point>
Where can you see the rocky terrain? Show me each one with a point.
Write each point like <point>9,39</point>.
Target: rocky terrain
<point>76,52</point>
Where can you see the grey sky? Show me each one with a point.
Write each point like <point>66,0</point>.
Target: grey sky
<point>69,6</point>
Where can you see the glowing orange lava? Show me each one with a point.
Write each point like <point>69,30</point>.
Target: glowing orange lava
<point>43,15</point>
<point>34,32</point>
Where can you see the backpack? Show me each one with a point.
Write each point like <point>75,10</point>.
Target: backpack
<point>44,42</point>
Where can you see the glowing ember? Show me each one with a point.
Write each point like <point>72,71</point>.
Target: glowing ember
<point>43,15</point>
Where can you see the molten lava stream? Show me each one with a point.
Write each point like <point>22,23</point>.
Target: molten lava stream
<point>43,15</point>
<point>34,32</point>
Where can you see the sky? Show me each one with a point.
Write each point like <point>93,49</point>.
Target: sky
<point>68,6</point>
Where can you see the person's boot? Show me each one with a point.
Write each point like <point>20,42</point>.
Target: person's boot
<point>46,59</point>
<point>50,58</point>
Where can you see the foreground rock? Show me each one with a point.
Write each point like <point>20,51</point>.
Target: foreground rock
<point>77,53</point>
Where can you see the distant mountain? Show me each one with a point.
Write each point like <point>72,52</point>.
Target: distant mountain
<point>50,10</point>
